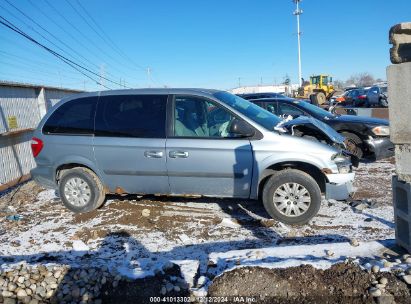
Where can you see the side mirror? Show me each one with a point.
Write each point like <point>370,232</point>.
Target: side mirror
<point>241,128</point>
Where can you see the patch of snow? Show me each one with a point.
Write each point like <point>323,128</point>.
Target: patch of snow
<point>47,195</point>
<point>228,222</point>
<point>184,238</point>
<point>79,245</point>
<point>289,256</point>
<point>189,269</point>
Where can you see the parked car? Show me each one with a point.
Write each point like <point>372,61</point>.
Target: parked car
<point>249,96</point>
<point>377,96</point>
<point>355,98</point>
<point>366,137</point>
<point>183,142</point>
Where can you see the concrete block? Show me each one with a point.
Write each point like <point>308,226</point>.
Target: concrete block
<point>399,92</point>
<point>400,38</point>
<point>402,212</point>
<point>403,162</point>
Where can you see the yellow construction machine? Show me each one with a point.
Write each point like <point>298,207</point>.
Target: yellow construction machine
<point>319,90</point>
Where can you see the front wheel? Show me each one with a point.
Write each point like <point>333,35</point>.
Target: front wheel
<point>321,98</point>
<point>292,197</point>
<point>354,144</point>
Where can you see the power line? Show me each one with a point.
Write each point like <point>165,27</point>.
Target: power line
<point>71,63</point>
<point>100,51</point>
<point>51,42</point>
<point>57,24</point>
<point>36,63</point>
<point>124,55</point>
<point>76,28</point>
<point>34,30</point>
<point>33,69</point>
<point>105,37</point>
<point>51,34</point>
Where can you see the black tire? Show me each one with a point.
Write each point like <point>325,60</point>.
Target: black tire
<point>283,177</point>
<point>313,99</point>
<point>354,144</point>
<point>383,103</point>
<point>96,195</point>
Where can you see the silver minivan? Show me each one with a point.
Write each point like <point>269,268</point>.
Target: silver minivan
<point>183,142</point>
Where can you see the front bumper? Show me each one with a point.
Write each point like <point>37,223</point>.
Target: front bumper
<point>339,186</point>
<point>380,147</point>
<point>44,176</point>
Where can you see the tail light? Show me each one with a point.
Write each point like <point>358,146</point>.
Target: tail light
<point>36,146</point>
<point>362,97</point>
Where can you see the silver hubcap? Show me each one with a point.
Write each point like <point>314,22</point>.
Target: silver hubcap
<point>77,192</point>
<point>292,199</point>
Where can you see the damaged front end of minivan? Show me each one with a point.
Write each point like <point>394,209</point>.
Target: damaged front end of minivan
<point>313,129</point>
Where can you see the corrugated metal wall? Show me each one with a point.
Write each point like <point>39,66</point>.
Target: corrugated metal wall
<point>21,109</point>
<point>16,159</point>
<point>54,96</point>
<point>21,103</point>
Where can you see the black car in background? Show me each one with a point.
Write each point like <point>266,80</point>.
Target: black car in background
<point>355,98</point>
<point>366,137</point>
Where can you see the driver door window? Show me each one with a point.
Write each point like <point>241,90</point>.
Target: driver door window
<point>273,108</point>
<point>286,109</point>
<point>197,117</point>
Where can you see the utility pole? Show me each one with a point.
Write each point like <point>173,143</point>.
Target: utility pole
<point>102,74</point>
<point>239,82</point>
<point>61,82</point>
<point>297,13</point>
<point>149,77</point>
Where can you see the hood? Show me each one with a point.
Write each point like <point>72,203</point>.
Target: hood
<point>361,119</point>
<point>315,126</point>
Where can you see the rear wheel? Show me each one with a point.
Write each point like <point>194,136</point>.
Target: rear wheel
<point>354,144</point>
<point>292,197</point>
<point>383,102</point>
<point>81,190</point>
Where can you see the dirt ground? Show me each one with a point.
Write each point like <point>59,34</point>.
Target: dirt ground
<point>342,283</point>
<point>136,236</point>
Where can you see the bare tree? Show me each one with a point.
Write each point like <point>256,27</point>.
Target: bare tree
<point>366,79</point>
<point>338,84</point>
<point>360,80</point>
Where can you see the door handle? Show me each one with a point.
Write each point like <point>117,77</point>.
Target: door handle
<point>153,154</point>
<point>178,154</point>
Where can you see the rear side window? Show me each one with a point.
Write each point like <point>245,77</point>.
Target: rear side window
<point>142,116</point>
<point>73,117</point>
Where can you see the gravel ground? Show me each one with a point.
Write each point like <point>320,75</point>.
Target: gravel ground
<point>155,246</point>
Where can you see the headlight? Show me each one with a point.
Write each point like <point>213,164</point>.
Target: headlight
<point>381,130</point>
<point>343,163</point>
<point>344,168</point>
<point>338,158</point>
